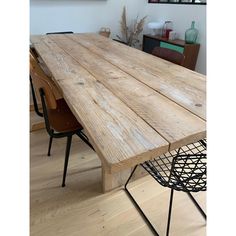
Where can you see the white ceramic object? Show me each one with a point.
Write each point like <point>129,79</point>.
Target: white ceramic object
<point>173,35</point>
<point>155,27</point>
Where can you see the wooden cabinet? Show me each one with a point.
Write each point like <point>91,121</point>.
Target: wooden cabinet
<point>190,51</point>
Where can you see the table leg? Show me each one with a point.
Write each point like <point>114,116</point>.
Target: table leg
<point>111,181</point>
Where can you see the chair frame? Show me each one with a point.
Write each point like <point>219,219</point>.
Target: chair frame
<point>62,32</point>
<point>35,103</point>
<point>50,131</point>
<point>54,134</point>
<point>171,194</point>
<point>36,108</point>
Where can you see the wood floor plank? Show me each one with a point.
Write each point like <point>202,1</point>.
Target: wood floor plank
<point>36,122</point>
<point>81,209</point>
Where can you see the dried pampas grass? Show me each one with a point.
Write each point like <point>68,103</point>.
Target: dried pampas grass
<point>129,35</point>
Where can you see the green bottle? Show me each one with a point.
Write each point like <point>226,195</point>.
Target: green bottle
<point>191,34</point>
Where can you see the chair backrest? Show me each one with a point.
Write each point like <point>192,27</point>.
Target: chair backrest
<point>169,55</point>
<point>34,53</point>
<point>183,169</point>
<point>63,32</point>
<point>35,98</point>
<point>41,81</point>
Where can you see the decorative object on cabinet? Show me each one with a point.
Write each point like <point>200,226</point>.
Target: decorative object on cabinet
<point>167,28</point>
<point>130,34</point>
<point>190,51</point>
<point>105,32</point>
<point>173,35</point>
<point>155,28</point>
<point>191,34</point>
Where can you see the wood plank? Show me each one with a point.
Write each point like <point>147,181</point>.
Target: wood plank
<point>37,126</point>
<point>36,122</point>
<point>113,180</point>
<point>34,39</point>
<point>32,107</point>
<point>177,125</point>
<point>119,136</point>
<point>181,85</point>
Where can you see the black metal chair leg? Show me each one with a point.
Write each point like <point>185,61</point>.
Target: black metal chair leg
<point>136,204</point>
<point>130,177</point>
<point>85,139</point>
<point>197,205</point>
<point>69,138</point>
<point>170,210</point>
<point>50,145</point>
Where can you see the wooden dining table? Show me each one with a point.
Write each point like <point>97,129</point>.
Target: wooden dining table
<point>133,106</point>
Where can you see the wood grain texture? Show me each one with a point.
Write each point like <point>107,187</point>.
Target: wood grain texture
<point>120,137</point>
<point>132,105</point>
<point>177,125</point>
<point>191,55</point>
<point>113,180</point>
<point>183,86</point>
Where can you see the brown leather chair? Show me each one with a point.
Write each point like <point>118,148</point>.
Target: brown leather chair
<point>59,120</point>
<point>169,55</point>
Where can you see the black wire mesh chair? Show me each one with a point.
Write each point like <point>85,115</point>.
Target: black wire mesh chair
<point>182,170</point>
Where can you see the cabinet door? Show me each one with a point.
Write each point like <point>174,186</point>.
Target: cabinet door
<point>149,44</point>
<point>172,46</point>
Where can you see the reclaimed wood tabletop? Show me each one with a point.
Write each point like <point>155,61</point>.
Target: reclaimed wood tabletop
<point>132,105</point>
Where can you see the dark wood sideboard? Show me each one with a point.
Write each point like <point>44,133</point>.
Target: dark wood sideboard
<point>190,51</point>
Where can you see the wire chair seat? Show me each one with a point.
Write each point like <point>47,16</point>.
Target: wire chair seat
<point>182,170</point>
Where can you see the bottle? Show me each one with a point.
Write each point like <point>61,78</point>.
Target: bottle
<point>191,34</point>
<point>167,28</point>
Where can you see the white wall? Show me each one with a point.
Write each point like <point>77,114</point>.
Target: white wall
<point>91,15</point>
<point>80,15</point>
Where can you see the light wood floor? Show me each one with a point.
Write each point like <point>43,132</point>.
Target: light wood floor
<point>81,209</point>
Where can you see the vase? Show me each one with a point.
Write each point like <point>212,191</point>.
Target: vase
<point>167,28</point>
<point>191,34</point>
